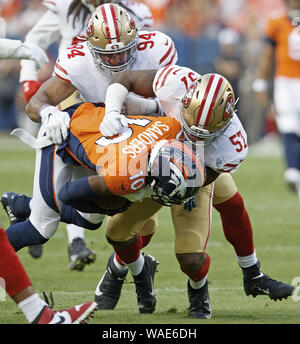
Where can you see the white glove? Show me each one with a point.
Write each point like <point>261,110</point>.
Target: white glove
<point>56,123</point>
<point>33,52</point>
<point>113,123</point>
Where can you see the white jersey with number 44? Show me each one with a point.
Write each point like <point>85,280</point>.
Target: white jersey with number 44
<point>75,65</point>
<point>227,151</point>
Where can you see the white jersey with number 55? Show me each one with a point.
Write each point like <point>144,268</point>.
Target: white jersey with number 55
<point>227,151</point>
<point>75,65</point>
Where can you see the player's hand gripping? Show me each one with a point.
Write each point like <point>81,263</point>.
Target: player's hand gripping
<point>56,123</point>
<point>113,123</point>
<point>190,204</point>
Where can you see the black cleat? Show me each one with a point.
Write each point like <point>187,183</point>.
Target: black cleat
<point>257,283</point>
<point>79,255</point>
<point>108,290</point>
<point>6,201</point>
<point>35,251</point>
<point>199,302</point>
<point>144,283</point>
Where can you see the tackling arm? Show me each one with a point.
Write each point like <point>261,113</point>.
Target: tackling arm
<point>52,92</point>
<point>139,82</point>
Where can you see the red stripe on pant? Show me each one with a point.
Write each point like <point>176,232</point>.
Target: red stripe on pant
<point>11,268</point>
<point>236,225</point>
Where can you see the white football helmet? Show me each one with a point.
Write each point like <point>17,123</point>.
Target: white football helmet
<point>207,108</point>
<point>112,38</point>
<point>92,4</point>
<point>175,172</point>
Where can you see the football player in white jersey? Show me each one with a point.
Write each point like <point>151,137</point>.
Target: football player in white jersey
<point>205,107</point>
<point>81,68</point>
<point>65,22</point>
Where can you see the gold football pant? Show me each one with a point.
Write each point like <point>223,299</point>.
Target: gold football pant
<point>192,229</point>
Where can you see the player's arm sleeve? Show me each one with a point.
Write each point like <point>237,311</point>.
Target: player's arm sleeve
<point>8,47</point>
<point>43,34</point>
<point>61,68</point>
<point>163,53</point>
<point>173,81</point>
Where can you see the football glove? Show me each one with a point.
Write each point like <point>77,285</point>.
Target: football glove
<point>190,204</point>
<point>113,123</point>
<point>55,123</point>
<point>33,52</point>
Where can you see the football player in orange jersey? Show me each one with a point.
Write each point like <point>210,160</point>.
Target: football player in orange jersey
<point>145,163</point>
<point>282,46</point>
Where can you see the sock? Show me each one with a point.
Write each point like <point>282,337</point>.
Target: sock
<point>11,269</point>
<point>74,231</point>
<point>24,234</point>
<point>136,267</point>
<point>120,265</point>
<point>246,262</point>
<point>118,261</point>
<point>198,277</point>
<point>32,306</point>
<point>197,285</point>
<point>130,253</point>
<point>236,225</point>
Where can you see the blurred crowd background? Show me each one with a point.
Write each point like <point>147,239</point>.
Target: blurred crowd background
<point>222,36</point>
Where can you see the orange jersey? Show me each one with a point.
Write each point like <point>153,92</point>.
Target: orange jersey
<point>121,159</point>
<point>286,40</point>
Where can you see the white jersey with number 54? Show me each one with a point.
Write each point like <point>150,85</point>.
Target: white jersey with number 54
<point>75,65</point>
<point>227,151</point>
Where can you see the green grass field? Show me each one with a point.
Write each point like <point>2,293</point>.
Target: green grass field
<point>274,212</point>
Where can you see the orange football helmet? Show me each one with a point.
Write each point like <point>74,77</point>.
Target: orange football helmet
<point>112,38</point>
<point>207,107</point>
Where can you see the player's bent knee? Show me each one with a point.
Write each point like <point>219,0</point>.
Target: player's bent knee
<point>191,261</point>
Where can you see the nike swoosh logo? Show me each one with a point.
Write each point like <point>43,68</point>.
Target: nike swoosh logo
<point>260,275</point>
<point>97,291</point>
<point>61,320</point>
<point>266,291</point>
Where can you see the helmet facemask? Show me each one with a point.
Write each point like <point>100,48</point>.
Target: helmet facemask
<point>174,172</point>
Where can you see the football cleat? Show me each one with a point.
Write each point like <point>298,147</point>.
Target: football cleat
<point>75,315</point>
<point>6,201</point>
<point>144,286</point>
<point>35,251</point>
<point>199,302</point>
<point>108,290</point>
<point>258,283</point>
<point>80,255</point>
